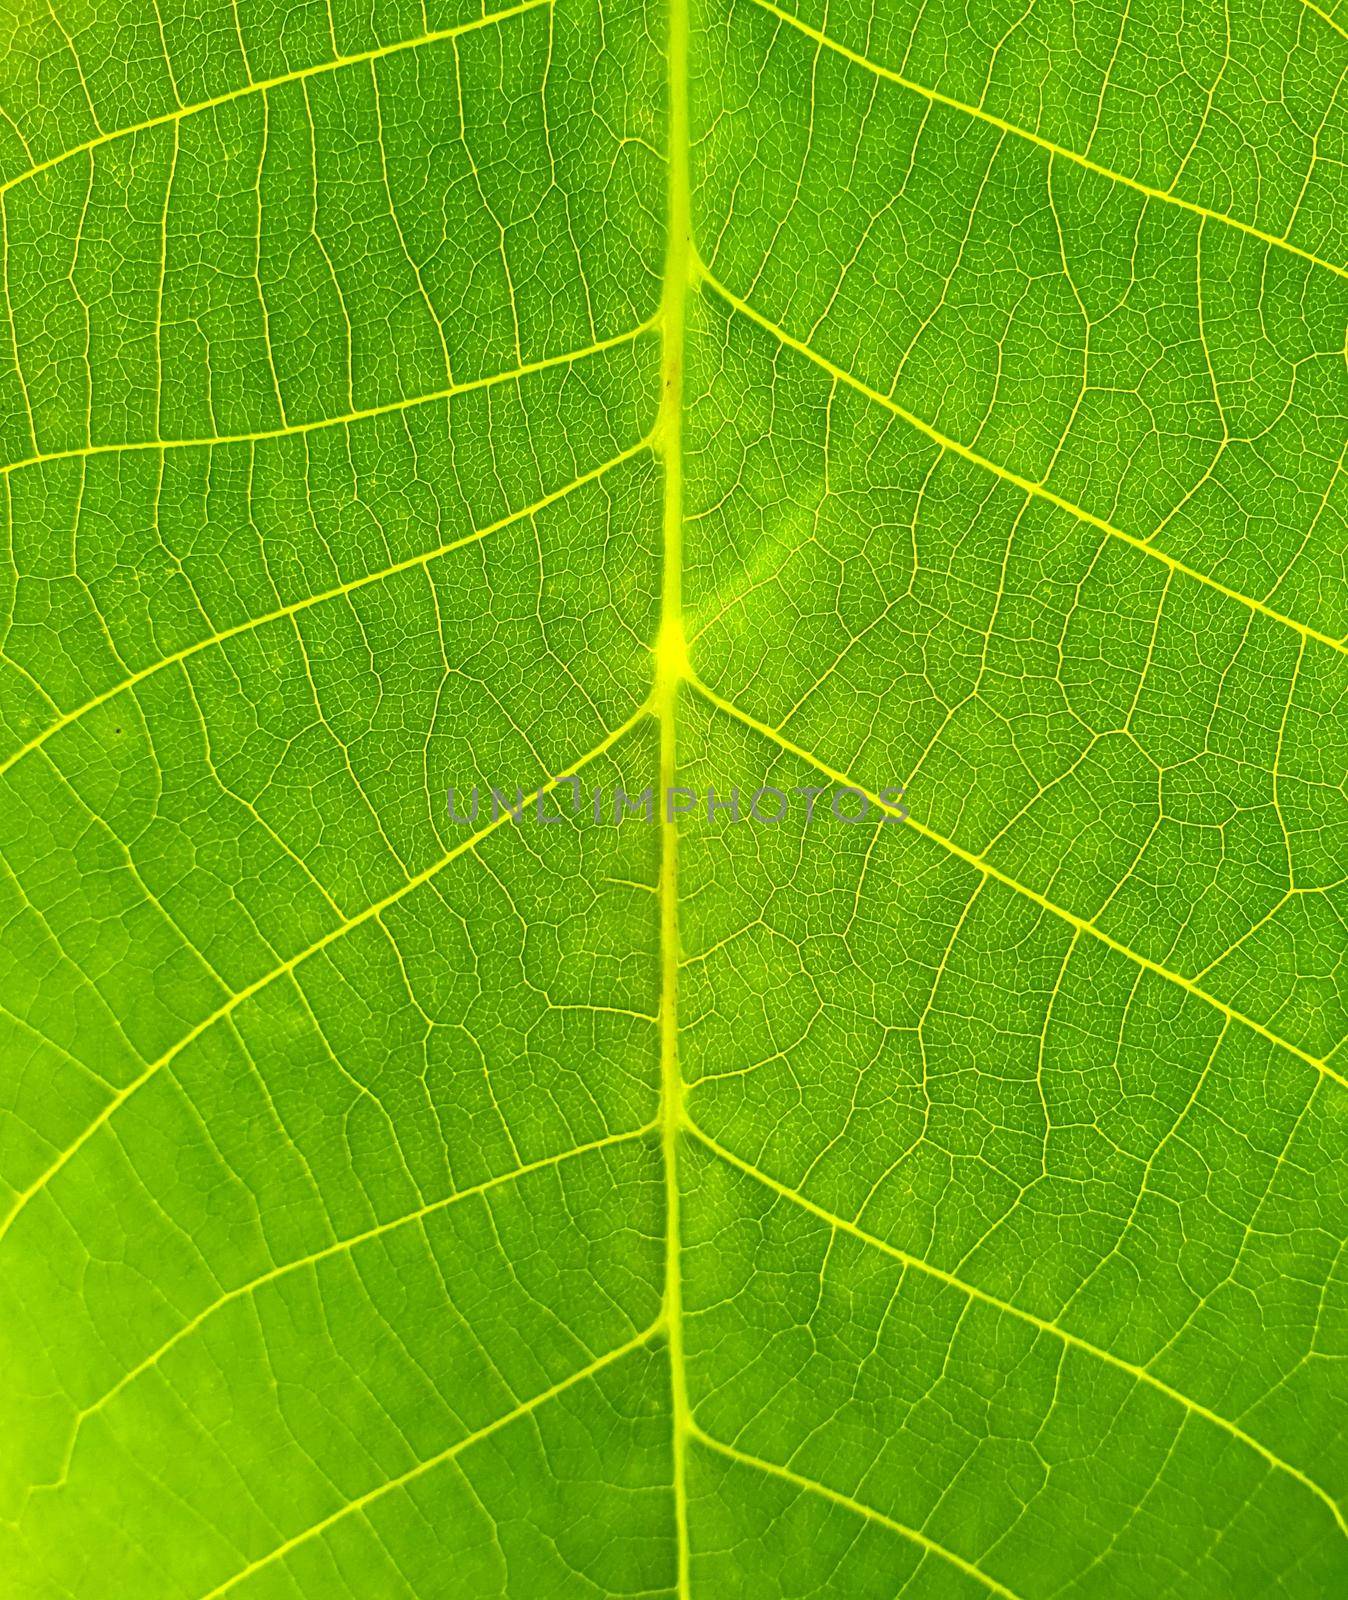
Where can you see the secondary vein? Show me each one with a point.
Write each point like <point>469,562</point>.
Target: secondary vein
<point>1026,485</point>
<point>262,85</point>
<point>228,1006</point>
<point>1140,1374</point>
<point>295,607</point>
<point>935,97</point>
<point>981,865</point>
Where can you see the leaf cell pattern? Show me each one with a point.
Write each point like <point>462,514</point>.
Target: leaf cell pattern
<point>400,394</point>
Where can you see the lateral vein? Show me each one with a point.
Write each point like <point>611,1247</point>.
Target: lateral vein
<point>336,592</point>
<point>280,1551</point>
<point>1324,16</point>
<point>1025,485</point>
<point>263,85</point>
<point>1081,924</point>
<point>1002,125</point>
<point>812,1486</point>
<point>338,1247</point>
<point>918,1264</point>
<point>346,419</point>
<point>342,928</point>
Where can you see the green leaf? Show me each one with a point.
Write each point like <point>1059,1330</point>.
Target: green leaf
<point>398,397</point>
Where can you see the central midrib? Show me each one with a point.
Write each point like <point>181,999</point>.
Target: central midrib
<point>670,669</point>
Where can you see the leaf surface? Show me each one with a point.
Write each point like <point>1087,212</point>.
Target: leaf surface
<point>580,396</point>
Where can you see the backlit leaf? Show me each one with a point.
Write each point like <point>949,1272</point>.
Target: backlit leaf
<point>585,396</point>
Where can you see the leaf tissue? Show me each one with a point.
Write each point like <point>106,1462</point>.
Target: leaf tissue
<point>673,824</point>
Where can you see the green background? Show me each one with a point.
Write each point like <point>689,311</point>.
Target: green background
<point>957,394</point>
